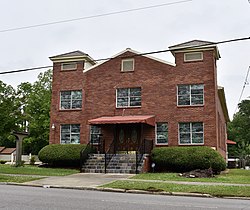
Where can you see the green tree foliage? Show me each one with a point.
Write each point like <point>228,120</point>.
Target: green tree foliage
<point>7,115</point>
<point>27,108</point>
<point>239,131</point>
<point>37,111</point>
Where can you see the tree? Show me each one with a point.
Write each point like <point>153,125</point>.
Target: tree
<point>238,130</point>
<point>7,115</point>
<point>37,113</point>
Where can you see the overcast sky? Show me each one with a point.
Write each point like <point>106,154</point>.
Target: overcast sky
<point>144,31</point>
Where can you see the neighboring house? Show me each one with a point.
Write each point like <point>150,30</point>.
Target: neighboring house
<point>7,154</point>
<point>131,97</point>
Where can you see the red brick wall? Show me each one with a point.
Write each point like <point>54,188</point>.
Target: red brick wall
<point>158,82</point>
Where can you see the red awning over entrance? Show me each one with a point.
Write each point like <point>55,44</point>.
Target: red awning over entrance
<point>230,142</point>
<point>147,119</point>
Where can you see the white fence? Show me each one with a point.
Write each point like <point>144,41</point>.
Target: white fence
<point>12,158</point>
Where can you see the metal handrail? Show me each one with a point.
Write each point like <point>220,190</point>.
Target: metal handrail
<point>143,149</point>
<point>109,155</point>
<point>84,154</point>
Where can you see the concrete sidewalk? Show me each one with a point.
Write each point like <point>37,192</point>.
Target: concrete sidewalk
<point>79,180</point>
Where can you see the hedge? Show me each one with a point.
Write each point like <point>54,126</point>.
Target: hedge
<point>183,159</point>
<point>61,154</point>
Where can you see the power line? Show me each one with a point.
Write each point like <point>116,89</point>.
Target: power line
<point>139,54</point>
<point>243,88</point>
<point>93,16</point>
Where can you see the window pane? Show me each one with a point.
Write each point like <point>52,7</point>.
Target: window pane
<point>76,94</point>
<point>135,101</point>
<point>65,104</point>
<point>122,92</point>
<point>197,89</point>
<point>122,102</point>
<point>196,99</point>
<point>75,139</point>
<point>135,92</point>
<point>197,138</point>
<point>76,104</point>
<point>183,89</point>
<point>185,138</point>
<point>197,127</point>
<point>65,95</point>
<point>184,100</point>
<point>184,127</point>
<point>75,128</point>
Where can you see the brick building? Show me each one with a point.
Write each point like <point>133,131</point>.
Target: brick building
<point>131,97</point>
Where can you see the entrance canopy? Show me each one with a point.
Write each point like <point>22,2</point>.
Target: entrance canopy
<point>147,119</point>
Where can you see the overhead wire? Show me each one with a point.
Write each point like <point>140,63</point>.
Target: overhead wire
<point>243,88</point>
<point>139,54</point>
<point>93,16</point>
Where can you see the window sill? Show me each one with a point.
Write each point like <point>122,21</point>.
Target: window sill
<point>185,106</point>
<point>161,144</point>
<point>196,144</point>
<point>69,110</point>
<point>129,107</point>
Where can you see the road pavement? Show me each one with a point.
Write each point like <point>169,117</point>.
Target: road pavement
<point>32,198</point>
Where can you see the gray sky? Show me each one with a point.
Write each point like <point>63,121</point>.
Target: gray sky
<point>144,31</point>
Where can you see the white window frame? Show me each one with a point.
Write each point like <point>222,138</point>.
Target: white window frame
<point>70,133</point>
<point>128,98</point>
<point>190,96</point>
<point>128,60</point>
<point>71,100</point>
<point>191,133</point>
<point>156,143</point>
<point>195,59</point>
<point>63,66</point>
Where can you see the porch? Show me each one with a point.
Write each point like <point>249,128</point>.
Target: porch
<point>122,145</point>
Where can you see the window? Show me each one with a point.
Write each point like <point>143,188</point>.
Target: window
<point>161,133</point>
<point>190,95</point>
<point>70,134</point>
<point>69,66</point>
<point>95,133</point>
<point>71,99</point>
<point>194,56</point>
<point>191,133</point>
<point>128,97</point>
<point>128,64</point>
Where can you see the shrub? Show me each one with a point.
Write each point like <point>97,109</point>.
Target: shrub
<point>3,161</point>
<point>32,160</point>
<point>61,154</point>
<point>183,159</point>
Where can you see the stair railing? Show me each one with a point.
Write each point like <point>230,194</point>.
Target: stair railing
<point>145,147</point>
<point>109,154</point>
<point>84,154</point>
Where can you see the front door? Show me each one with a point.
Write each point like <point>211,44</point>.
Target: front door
<point>128,137</point>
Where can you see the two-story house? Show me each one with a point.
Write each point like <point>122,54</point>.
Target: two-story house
<point>131,97</point>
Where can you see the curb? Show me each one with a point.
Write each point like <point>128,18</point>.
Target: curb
<point>117,190</point>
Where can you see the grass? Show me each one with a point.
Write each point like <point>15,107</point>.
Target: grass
<point>35,170</point>
<point>218,191</point>
<point>16,179</point>
<point>236,176</point>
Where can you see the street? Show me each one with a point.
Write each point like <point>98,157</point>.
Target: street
<point>20,197</point>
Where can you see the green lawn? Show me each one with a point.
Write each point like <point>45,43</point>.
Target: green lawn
<point>17,179</point>
<point>218,191</point>
<point>237,176</point>
<point>34,170</point>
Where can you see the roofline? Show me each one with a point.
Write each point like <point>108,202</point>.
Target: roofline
<point>57,59</point>
<point>132,51</point>
<point>222,98</point>
<point>210,46</point>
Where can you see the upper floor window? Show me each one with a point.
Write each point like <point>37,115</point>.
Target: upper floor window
<point>71,99</point>
<point>70,134</point>
<point>95,133</point>
<point>128,65</point>
<point>193,56</point>
<point>190,94</point>
<point>69,66</point>
<point>161,133</point>
<point>191,133</point>
<point>128,97</point>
